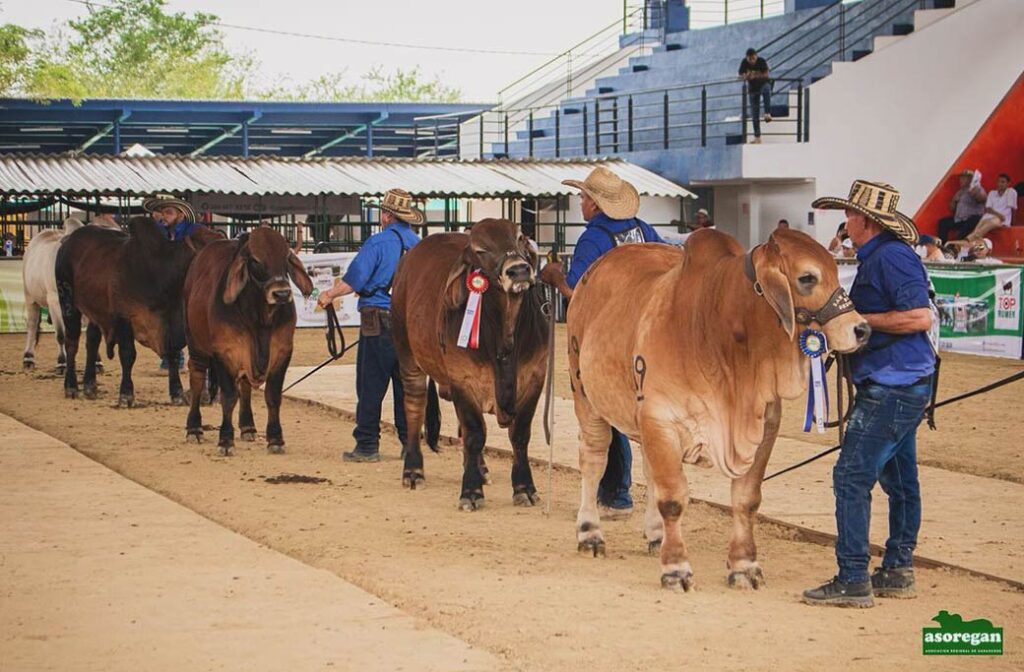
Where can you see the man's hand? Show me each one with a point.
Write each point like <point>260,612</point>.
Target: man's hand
<point>325,298</point>
<point>552,273</point>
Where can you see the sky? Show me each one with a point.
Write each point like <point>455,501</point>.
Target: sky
<point>539,26</point>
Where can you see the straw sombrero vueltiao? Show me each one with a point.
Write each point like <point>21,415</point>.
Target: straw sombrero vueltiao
<point>399,203</point>
<point>617,198</point>
<point>876,201</point>
<point>161,201</point>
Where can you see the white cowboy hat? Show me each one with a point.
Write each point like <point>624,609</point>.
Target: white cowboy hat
<point>617,198</point>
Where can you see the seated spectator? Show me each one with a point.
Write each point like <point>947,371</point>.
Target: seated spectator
<point>836,244</point>
<point>972,251</point>
<point>967,206</point>
<point>999,207</point>
<point>847,250</point>
<point>703,222</point>
<point>928,249</point>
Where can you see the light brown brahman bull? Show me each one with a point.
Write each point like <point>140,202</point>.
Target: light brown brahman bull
<point>690,351</point>
<point>240,322</point>
<point>504,376</point>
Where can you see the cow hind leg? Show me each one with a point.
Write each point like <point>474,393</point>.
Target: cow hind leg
<point>246,424</point>
<point>126,354</point>
<point>228,400</point>
<point>654,526</point>
<point>275,383</point>
<point>744,571</point>
<point>524,492</point>
<point>474,436</point>
<point>414,385</point>
<point>661,446</point>
<point>33,317</point>
<point>92,351</point>
<point>72,330</point>
<point>595,436</point>
<point>198,369</point>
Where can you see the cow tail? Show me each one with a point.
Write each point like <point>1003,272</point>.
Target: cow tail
<point>433,426</point>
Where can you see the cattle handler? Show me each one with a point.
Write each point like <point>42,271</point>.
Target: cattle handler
<point>609,205</point>
<point>176,219</point>
<point>894,377</point>
<point>370,276</point>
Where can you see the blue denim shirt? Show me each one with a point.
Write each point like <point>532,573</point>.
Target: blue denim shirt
<point>891,277</point>
<point>181,229</point>
<point>600,237</point>
<point>371,272</point>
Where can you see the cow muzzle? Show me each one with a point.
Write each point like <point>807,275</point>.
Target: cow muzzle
<point>517,276</point>
<point>278,292</point>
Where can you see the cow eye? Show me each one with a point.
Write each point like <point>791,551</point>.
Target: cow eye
<point>256,270</point>
<point>807,279</point>
<point>479,250</point>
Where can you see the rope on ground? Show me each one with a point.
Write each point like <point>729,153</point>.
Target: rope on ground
<point>960,397</point>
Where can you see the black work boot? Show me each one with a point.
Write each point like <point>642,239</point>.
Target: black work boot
<point>898,582</point>
<point>838,594</point>
<point>360,456</point>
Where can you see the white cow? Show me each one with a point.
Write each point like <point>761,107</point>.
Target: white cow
<point>40,282</point>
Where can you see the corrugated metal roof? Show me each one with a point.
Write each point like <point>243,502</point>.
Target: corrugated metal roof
<point>97,175</point>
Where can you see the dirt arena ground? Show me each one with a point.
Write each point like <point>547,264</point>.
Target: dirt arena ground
<point>508,579</point>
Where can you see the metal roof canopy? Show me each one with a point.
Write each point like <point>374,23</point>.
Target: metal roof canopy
<point>97,175</point>
<point>236,128</point>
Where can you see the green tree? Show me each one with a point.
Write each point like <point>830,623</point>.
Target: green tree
<point>136,49</point>
<point>400,86</point>
<point>15,55</point>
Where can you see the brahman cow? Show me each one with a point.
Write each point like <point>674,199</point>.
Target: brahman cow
<point>240,322</point>
<point>129,286</point>
<point>40,284</point>
<point>690,351</point>
<point>503,376</point>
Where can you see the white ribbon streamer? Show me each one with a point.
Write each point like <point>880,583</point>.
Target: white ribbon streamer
<point>472,306</point>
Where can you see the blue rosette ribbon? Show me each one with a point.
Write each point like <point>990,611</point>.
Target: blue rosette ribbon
<point>814,345</point>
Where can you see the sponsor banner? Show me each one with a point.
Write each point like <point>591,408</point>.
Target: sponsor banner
<point>979,310</point>
<point>244,204</point>
<point>326,271</point>
<point>12,297</point>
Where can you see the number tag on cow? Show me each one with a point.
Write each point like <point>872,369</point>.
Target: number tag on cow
<point>469,334</point>
<point>814,345</point>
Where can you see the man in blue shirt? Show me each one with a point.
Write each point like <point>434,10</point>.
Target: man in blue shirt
<point>609,206</point>
<point>370,276</point>
<point>894,376</point>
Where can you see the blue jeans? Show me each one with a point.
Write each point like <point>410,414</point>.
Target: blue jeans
<point>376,367</point>
<point>755,105</point>
<point>613,490</point>
<point>880,445</point>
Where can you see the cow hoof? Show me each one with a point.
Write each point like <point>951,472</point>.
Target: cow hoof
<point>70,393</point>
<point>678,581</point>
<point>249,435</point>
<point>194,437</point>
<point>592,546</point>
<point>751,578</point>
<point>28,364</point>
<point>413,479</point>
<point>525,499</point>
<point>90,392</point>
<point>125,400</point>
<point>225,450</point>
<point>654,547</point>
<point>471,502</point>
<point>179,400</point>
<point>274,448</point>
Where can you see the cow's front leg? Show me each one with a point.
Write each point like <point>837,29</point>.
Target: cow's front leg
<point>661,447</point>
<point>126,354</point>
<point>246,423</point>
<point>198,367</point>
<point>474,436</point>
<point>33,317</point>
<point>92,353</point>
<point>272,395</point>
<point>228,399</point>
<point>524,492</point>
<point>595,436</point>
<point>744,570</point>
<point>175,391</point>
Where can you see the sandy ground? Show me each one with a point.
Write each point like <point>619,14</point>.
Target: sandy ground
<point>505,579</point>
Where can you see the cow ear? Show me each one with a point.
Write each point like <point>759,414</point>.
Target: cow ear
<point>455,291</point>
<point>238,275</point>
<point>297,272</point>
<point>769,269</point>
<point>531,250</point>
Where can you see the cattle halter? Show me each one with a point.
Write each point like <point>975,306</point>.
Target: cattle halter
<point>838,303</point>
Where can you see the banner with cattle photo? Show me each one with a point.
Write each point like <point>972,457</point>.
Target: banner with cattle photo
<point>980,310</point>
<point>326,271</point>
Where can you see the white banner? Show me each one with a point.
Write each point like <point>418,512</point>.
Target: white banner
<point>325,270</point>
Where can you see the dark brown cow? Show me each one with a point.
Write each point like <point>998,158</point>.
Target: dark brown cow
<point>240,321</point>
<point>129,286</point>
<point>503,377</point>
